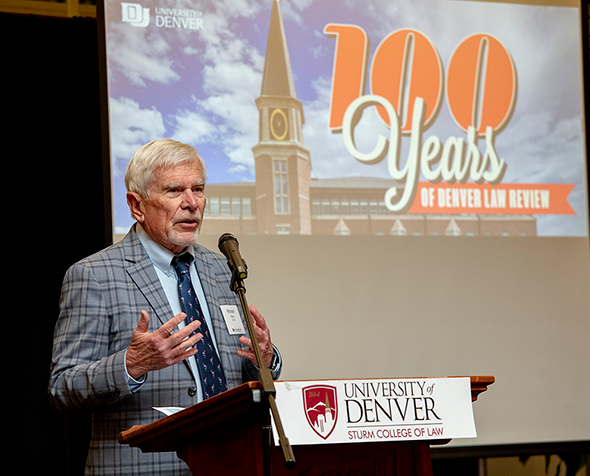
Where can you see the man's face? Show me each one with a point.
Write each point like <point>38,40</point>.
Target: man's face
<point>173,213</point>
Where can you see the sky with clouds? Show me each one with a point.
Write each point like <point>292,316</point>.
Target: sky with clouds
<point>199,86</point>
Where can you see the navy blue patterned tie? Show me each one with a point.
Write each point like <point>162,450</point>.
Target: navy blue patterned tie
<point>212,376</point>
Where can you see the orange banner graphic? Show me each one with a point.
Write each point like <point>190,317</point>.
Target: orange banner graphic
<point>505,199</point>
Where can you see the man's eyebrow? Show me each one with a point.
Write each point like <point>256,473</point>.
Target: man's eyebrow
<point>173,185</point>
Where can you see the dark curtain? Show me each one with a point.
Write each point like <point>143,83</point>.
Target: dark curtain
<point>54,214</point>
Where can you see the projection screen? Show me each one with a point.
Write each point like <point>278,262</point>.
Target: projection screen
<point>407,182</point>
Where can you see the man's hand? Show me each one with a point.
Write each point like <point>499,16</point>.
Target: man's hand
<point>263,335</point>
<point>160,349</point>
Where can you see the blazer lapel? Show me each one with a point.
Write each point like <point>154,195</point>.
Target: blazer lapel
<point>142,272</point>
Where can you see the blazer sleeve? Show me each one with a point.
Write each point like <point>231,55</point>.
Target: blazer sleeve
<point>84,372</point>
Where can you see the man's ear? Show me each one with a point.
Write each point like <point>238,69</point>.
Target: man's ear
<point>134,200</point>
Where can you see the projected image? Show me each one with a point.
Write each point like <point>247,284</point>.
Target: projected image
<point>449,118</point>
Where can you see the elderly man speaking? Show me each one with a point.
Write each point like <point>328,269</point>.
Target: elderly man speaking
<point>141,323</point>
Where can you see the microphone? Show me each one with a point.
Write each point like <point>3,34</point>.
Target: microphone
<point>228,245</point>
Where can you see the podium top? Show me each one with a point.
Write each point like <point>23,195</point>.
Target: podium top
<point>244,399</point>
<point>479,384</point>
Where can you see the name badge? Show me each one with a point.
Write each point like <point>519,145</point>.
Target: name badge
<point>232,319</point>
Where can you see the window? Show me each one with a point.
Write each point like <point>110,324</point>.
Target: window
<point>316,207</point>
<point>225,209</point>
<point>226,206</point>
<point>335,207</point>
<point>213,204</point>
<point>235,206</point>
<point>246,207</point>
<point>373,208</point>
<point>281,187</point>
<point>345,207</point>
<point>364,208</point>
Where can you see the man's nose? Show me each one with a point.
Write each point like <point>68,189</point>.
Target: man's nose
<point>189,200</point>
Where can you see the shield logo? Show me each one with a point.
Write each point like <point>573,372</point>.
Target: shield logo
<point>321,408</point>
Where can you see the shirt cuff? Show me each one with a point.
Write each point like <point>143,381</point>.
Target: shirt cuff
<point>276,364</point>
<point>134,385</point>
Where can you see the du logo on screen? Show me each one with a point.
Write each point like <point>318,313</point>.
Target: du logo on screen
<point>135,14</point>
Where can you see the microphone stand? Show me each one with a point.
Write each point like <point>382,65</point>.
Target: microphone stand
<point>268,386</point>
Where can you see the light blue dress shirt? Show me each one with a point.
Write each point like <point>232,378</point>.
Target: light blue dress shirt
<point>162,260</point>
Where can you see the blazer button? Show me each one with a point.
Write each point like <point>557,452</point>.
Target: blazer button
<point>192,391</point>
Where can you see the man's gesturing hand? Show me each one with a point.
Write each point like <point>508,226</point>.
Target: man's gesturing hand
<point>263,336</point>
<point>160,349</point>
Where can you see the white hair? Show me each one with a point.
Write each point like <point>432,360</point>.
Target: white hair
<point>159,153</point>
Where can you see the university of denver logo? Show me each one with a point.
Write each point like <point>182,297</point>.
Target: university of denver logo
<point>321,408</point>
<point>135,14</point>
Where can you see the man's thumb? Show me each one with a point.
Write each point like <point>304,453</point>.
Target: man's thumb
<point>144,322</point>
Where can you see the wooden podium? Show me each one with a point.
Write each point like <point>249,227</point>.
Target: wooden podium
<point>230,435</point>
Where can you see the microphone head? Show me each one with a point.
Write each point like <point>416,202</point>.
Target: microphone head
<point>225,237</point>
<point>228,245</point>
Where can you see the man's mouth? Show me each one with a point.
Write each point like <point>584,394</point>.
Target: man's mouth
<point>187,221</point>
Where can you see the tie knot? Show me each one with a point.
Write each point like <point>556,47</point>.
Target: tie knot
<point>181,263</point>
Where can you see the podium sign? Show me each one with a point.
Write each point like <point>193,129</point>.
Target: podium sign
<point>227,434</point>
<point>372,410</point>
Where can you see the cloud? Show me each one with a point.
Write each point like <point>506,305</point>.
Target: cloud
<point>141,55</point>
<point>225,114</point>
<point>131,127</point>
<point>231,88</point>
<point>540,149</point>
<point>193,126</point>
<point>145,55</point>
<point>292,11</point>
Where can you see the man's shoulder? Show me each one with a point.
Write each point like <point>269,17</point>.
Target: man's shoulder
<point>206,252</point>
<point>205,255</point>
<point>129,248</point>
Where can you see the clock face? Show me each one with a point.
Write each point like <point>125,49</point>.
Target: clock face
<point>278,124</point>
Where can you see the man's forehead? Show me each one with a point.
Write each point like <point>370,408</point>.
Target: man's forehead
<point>185,173</point>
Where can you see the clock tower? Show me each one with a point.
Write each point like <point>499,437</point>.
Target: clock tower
<point>283,164</point>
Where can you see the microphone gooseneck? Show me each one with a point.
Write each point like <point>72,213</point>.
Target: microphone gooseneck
<point>228,245</point>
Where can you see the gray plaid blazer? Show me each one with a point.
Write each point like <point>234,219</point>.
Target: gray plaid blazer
<point>101,301</point>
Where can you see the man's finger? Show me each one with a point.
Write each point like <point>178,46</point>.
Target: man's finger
<point>169,326</point>
<point>183,334</point>
<point>144,322</point>
<point>245,341</point>
<point>258,319</point>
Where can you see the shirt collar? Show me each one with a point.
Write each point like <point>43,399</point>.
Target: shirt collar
<point>160,256</point>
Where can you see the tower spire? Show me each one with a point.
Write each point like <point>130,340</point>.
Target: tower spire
<point>277,79</point>
<point>283,164</point>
